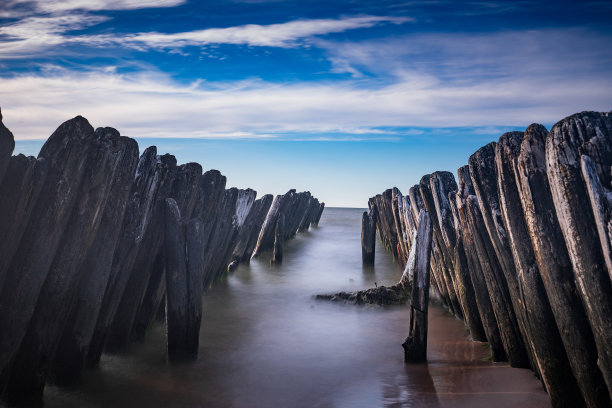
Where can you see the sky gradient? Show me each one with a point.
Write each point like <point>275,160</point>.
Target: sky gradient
<point>343,98</point>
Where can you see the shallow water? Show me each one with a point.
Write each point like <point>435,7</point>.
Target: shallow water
<point>266,342</point>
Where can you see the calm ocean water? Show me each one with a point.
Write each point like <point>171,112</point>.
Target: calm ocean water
<point>266,342</point>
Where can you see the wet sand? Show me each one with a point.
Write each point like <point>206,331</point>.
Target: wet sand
<point>458,373</point>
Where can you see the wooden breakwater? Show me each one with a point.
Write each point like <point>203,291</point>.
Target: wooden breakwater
<point>96,241</point>
<point>521,250</point>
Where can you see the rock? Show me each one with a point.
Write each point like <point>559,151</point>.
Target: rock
<point>381,295</point>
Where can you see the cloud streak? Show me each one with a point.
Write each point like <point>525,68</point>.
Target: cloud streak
<point>46,6</point>
<point>475,57</point>
<point>31,36</point>
<point>273,35</point>
<point>152,105</point>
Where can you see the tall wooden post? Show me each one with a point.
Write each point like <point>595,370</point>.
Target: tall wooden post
<point>415,346</point>
<point>368,235</point>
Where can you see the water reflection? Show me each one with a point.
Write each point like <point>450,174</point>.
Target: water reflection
<point>266,342</point>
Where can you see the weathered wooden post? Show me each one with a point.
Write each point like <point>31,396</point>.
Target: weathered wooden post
<point>277,254</point>
<point>368,235</point>
<point>415,346</point>
<point>7,145</point>
<point>176,279</point>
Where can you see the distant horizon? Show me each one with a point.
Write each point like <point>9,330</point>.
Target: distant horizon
<point>344,99</point>
<point>265,183</point>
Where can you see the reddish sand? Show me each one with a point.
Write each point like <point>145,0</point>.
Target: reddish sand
<point>458,373</point>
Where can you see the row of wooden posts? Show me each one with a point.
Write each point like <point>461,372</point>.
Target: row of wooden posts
<point>95,242</point>
<point>521,250</point>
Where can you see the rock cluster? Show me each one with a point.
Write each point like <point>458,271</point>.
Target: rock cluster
<point>97,242</point>
<point>522,250</point>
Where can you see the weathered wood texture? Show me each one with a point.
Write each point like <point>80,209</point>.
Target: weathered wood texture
<point>19,190</point>
<point>59,292</point>
<point>554,265</point>
<point>184,192</point>
<point>121,327</point>
<point>523,250</point>
<point>368,235</point>
<point>585,134</point>
<point>277,251</point>
<point>481,292</point>
<point>136,221</point>
<point>483,174</point>
<point>249,231</point>
<point>7,144</point>
<point>541,328</point>
<point>67,152</point>
<point>95,240</point>
<point>294,206</point>
<point>415,346</point>
<point>445,275</point>
<point>184,279</point>
<point>465,286</point>
<point>69,358</point>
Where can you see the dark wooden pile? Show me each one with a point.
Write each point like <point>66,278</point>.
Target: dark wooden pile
<point>522,252</point>
<point>96,241</point>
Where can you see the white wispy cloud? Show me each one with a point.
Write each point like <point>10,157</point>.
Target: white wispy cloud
<point>31,36</point>
<point>50,6</point>
<point>152,105</point>
<point>477,57</point>
<point>48,26</point>
<point>273,35</point>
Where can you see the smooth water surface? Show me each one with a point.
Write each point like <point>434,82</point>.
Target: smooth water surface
<point>266,342</point>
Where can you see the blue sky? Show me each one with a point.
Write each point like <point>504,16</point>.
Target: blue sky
<point>343,98</point>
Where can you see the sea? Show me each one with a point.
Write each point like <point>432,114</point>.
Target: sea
<point>266,341</point>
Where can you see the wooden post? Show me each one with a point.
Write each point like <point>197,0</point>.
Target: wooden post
<point>415,346</point>
<point>554,264</point>
<point>176,279</point>
<point>368,235</point>
<point>277,254</point>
